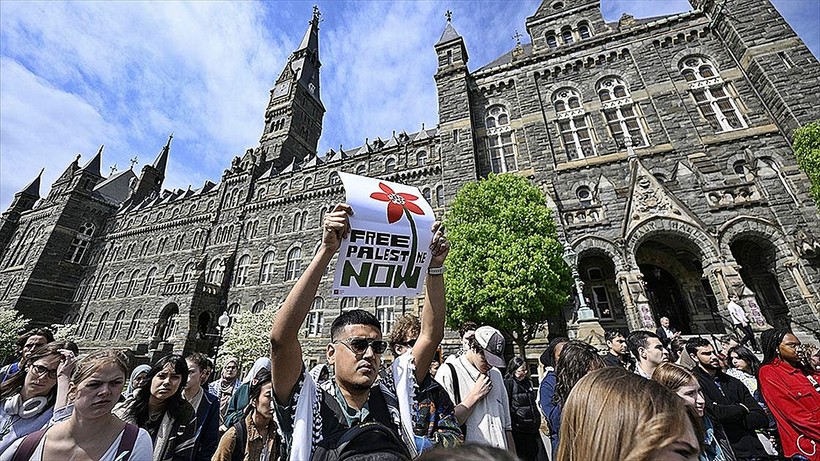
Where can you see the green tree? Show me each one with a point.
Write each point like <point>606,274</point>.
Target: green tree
<point>505,266</point>
<point>13,325</point>
<point>248,337</point>
<point>806,147</point>
<point>67,332</point>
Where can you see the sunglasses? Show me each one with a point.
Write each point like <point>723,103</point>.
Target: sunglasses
<point>410,343</point>
<point>360,345</point>
<point>40,370</point>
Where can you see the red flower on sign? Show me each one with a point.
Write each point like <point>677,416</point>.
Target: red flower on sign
<point>397,202</point>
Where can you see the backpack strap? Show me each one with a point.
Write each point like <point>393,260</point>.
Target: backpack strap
<point>240,440</point>
<point>457,392</point>
<point>28,445</point>
<point>128,440</point>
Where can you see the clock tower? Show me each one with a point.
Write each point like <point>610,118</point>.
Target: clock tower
<point>293,119</point>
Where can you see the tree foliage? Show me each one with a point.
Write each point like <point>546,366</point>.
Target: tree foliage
<point>248,337</point>
<point>13,325</point>
<point>806,147</point>
<point>505,266</point>
<point>67,332</point>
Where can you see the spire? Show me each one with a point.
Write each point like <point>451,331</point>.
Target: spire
<point>33,189</point>
<point>310,41</point>
<point>449,33</point>
<point>93,166</point>
<point>162,159</point>
<point>304,64</point>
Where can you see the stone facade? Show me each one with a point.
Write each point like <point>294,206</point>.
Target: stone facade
<point>663,146</point>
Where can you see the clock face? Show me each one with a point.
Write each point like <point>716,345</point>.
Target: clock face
<point>281,89</point>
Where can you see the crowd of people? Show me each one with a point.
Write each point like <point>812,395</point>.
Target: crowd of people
<point>650,396</point>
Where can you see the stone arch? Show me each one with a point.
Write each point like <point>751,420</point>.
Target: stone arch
<point>706,245</point>
<point>589,245</point>
<point>757,227</point>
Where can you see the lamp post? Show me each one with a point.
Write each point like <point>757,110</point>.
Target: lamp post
<point>588,327</point>
<point>223,322</point>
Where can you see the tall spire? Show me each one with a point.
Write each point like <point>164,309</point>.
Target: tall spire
<point>304,63</point>
<point>93,166</point>
<point>162,159</point>
<point>33,189</point>
<point>311,39</point>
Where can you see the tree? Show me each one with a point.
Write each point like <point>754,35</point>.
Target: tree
<point>13,325</point>
<point>67,332</point>
<point>248,337</point>
<point>505,266</point>
<point>806,147</point>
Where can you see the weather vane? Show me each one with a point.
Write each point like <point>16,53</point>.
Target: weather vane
<point>449,15</point>
<point>113,168</point>
<point>517,37</point>
<point>133,162</point>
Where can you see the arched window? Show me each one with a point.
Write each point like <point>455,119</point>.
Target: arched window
<point>188,271</point>
<point>283,188</point>
<point>167,323</point>
<point>149,280</point>
<point>132,283</point>
<point>622,116</point>
<point>584,31</point>
<point>80,243</point>
<point>500,140</point>
<point>170,273</point>
<point>439,195</point>
<point>584,195</point>
<point>315,318</point>
<point>566,35</point>
<point>294,264</point>
<point>361,170</point>
<point>129,251</point>
<point>115,330</point>
<point>349,303</point>
<point>233,311</point>
<point>216,272</point>
<point>711,94</point>
<point>278,226</point>
<point>179,241</point>
<point>552,41</point>
<point>100,326</point>
<point>134,327</point>
<point>242,268</point>
<point>384,312</point>
<point>258,307</point>
<point>576,135</point>
<point>78,295</point>
<point>146,247</point>
<point>87,324</point>
<point>389,165</point>
<point>421,158</point>
<point>308,183</point>
<point>739,167</point>
<point>100,287</point>
<point>427,195</point>
<point>115,287</point>
<point>266,273</point>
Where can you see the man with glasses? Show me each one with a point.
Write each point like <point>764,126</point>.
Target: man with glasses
<point>27,342</point>
<point>314,419</point>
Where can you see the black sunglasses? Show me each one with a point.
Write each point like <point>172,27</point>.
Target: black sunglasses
<point>360,345</point>
<point>410,343</point>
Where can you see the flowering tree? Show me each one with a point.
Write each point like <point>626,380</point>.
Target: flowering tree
<point>13,325</point>
<point>505,267</point>
<point>248,337</point>
<point>807,151</point>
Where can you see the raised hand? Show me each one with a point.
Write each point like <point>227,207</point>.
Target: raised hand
<point>336,226</point>
<point>439,246</point>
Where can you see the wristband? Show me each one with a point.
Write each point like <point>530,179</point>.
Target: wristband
<point>435,270</point>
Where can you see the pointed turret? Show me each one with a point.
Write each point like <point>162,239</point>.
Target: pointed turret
<point>93,165</point>
<point>161,161</point>
<point>151,177</point>
<point>23,201</point>
<point>33,188</point>
<point>293,119</point>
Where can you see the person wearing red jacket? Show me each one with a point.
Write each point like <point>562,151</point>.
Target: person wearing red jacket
<point>791,388</point>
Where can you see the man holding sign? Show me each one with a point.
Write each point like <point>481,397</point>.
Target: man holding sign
<point>316,421</point>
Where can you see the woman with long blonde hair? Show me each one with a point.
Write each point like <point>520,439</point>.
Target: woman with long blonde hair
<point>614,415</point>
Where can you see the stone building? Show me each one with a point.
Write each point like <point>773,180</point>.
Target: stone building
<point>663,145</point>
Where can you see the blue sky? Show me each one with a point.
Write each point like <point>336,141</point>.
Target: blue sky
<point>126,74</point>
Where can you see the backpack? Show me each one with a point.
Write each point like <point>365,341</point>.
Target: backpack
<point>30,442</point>
<point>369,441</point>
<point>241,440</point>
<point>457,392</point>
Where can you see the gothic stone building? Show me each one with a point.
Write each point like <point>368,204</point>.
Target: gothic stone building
<point>662,144</point>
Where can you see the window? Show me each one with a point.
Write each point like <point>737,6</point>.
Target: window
<point>283,188</point>
<point>258,307</point>
<point>421,158</point>
<point>576,135</point>
<point>389,165</point>
<point>584,195</point>
<point>179,241</point>
<point>80,243</point>
<point>384,313</point>
<point>81,288</point>
<point>308,183</point>
<point>622,115</point>
<point>115,331</point>
<point>294,264</point>
<point>115,287</point>
<point>216,272</point>
<point>566,35</point>
<point>242,270</point>
<point>103,281</point>
<point>439,195</point>
<point>100,326</point>
<point>146,247</point>
<point>500,140</point>
<point>188,271</point>
<point>266,273</point>
<point>739,168</point>
<point>427,195</point>
<point>711,94</point>
<point>600,297</point>
<point>361,170</point>
<point>349,303</point>
<point>552,41</point>
<point>315,318</point>
<point>170,273</point>
<point>149,280</point>
<point>233,311</point>
<point>129,252</point>
<point>584,31</point>
<point>132,283</point>
<point>88,319</point>
<point>134,327</point>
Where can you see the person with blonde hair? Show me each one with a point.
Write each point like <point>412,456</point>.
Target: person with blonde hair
<point>614,415</point>
<point>683,383</point>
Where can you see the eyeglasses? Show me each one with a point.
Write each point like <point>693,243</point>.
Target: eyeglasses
<point>410,343</point>
<point>40,370</point>
<point>360,345</point>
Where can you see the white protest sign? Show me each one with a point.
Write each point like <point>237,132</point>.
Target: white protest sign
<point>388,249</point>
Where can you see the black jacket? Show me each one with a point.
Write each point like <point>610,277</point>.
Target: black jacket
<point>524,411</point>
<point>724,405</point>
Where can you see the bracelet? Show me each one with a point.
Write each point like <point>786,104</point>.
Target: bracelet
<point>435,270</point>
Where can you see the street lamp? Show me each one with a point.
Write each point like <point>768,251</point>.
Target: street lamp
<point>223,322</point>
<point>571,258</point>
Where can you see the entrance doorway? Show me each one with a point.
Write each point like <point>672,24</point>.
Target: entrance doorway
<point>664,295</point>
<point>757,270</point>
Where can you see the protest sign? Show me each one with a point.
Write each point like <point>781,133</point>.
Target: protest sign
<point>388,249</point>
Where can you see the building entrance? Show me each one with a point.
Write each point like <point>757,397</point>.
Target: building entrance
<point>757,270</point>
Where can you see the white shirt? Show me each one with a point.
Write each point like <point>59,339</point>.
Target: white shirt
<point>490,419</point>
<point>737,313</point>
<point>142,451</point>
